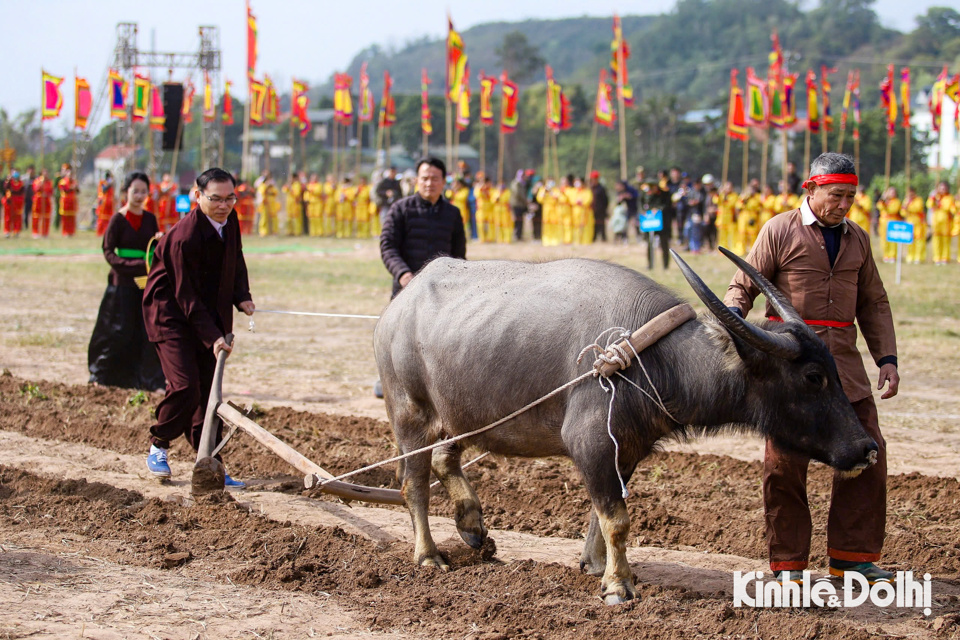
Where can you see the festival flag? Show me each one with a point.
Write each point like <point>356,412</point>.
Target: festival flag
<point>456,62</point>
<point>736,121</point>
<point>553,101</point>
<point>366,96</point>
<point>935,102</point>
<point>463,104</point>
<point>388,110</point>
<point>302,105</point>
<point>509,115</point>
<point>905,95</point>
<point>426,126</point>
<point>251,44</point>
<point>487,83</point>
<point>775,57</point>
<point>813,110</point>
<point>209,107</point>
<point>888,99</point>
<point>82,104</point>
<point>186,111</point>
<point>855,99</point>
<point>845,108</point>
<point>271,112</point>
<point>951,89</point>
<point>620,50</point>
<point>565,121</point>
<point>756,100</point>
<point>790,98</point>
<point>118,95</point>
<point>825,88</point>
<point>52,98</point>
<point>157,116</point>
<point>258,101</point>
<point>603,112</point>
<point>141,97</point>
<point>342,101</point>
<point>227,108</point>
<point>299,103</point>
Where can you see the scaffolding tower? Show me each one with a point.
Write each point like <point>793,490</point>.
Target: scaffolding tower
<point>127,59</point>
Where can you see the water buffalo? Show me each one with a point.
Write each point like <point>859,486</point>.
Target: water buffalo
<point>467,343</point>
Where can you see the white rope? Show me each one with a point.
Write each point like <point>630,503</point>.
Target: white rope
<point>321,315</point>
<point>463,436</point>
<point>464,466</point>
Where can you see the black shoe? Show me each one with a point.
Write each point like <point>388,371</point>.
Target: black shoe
<point>378,389</point>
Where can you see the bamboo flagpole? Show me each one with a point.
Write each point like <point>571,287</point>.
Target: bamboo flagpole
<point>726,160</point>
<point>546,150</point>
<point>764,150</point>
<point>746,162</point>
<point>359,143</point>
<point>623,113</point>
<point>483,148</point>
<point>886,165</point>
<point>556,155</point>
<point>43,98</point>
<point>593,144</point>
<point>500,157</point>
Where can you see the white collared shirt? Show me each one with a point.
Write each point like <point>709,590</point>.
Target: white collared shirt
<point>808,217</point>
<point>218,226</point>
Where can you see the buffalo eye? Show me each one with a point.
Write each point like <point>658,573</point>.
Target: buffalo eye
<point>816,380</point>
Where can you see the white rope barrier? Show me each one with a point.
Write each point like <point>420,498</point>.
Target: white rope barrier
<point>320,315</point>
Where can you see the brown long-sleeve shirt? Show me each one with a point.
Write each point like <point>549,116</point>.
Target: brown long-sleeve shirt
<point>791,253</point>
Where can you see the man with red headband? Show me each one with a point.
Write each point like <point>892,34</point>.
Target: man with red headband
<point>824,266</point>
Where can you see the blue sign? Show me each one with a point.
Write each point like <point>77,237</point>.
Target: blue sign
<point>183,204</point>
<point>901,232</point>
<point>651,221</point>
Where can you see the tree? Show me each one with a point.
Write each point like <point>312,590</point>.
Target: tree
<point>518,57</point>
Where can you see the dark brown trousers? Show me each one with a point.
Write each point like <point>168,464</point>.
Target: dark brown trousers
<point>188,367</point>
<point>858,506</point>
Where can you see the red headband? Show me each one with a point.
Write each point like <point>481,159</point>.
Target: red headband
<point>832,178</point>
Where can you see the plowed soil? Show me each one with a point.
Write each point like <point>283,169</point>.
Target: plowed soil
<point>695,518</point>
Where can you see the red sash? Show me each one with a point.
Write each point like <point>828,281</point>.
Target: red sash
<point>818,323</point>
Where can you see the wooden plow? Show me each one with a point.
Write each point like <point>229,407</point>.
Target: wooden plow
<point>208,473</point>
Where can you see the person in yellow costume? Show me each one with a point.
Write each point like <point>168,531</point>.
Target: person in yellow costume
<point>504,215</point>
<point>293,190</point>
<point>459,195</point>
<point>483,192</point>
<point>748,220</point>
<point>565,209</point>
<point>768,205</point>
<point>581,203</point>
<point>345,196</point>
<point>944,208</point>
<point>915,212</point>
<point>547,198</point>
<point>269,198</point>
<point>362,208</point>
<point>330,205</point>
<point>726,203</point>
<point>786,199</point>
<point>889,207</point>
<point>314,199</point>
<point>860,210</point>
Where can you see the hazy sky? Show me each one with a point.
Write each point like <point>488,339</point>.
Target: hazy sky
<point>306,38</point>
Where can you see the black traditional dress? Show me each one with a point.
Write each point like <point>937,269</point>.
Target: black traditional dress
<point>120,354</point>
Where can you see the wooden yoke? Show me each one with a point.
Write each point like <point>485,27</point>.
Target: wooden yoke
<point>608,362</point>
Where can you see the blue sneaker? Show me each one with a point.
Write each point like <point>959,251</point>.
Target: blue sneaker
<point>157,462</point>
<point>230,483</point>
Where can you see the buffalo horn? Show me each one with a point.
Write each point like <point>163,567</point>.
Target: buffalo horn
<point>782,345</point>
<point>777,300</point>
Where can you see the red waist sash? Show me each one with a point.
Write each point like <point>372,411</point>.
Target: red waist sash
<point>818,323</point>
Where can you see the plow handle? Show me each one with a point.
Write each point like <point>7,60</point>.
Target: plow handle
<point>210,418</point>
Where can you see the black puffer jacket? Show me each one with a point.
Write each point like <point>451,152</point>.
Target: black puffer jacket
<point>415,232</point>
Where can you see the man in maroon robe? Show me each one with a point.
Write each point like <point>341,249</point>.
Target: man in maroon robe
<point>199,275</point>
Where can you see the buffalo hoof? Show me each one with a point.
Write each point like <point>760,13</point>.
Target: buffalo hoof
<point>619,593</point>
<point>592,568</point>
<point>473,539</point>
<point>435,561</point>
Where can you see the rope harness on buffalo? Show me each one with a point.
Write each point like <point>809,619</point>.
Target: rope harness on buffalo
<point>611,360</point>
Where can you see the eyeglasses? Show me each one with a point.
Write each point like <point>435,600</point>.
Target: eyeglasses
<point>231,200</point>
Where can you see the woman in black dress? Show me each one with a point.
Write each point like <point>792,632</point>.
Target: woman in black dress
<point>120,354</point>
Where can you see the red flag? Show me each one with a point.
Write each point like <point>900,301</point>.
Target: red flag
<point>825,88</point>
<point>736,120</point>
<point>186,112</point>
<point>905,95</point>
<point>603,112</point>
<point>426,126</point>
<point>487,83</point>
<point>509,116</point>
<point>52,98</point>
<point>456,62</point>
<point>619,50</point>
<point>388,110</point>
<point>757,100</point>
<point>251,43</point>
<point>888,98</point>
<point>227,104</point>
<point>813,112</point>
<point>855,91</point>
<point>935,102</point>
<point>157,116</point>
<point>84,102</point>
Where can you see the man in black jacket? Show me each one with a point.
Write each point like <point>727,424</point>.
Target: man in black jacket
<point>601,202</point>
<point>421,227</point>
